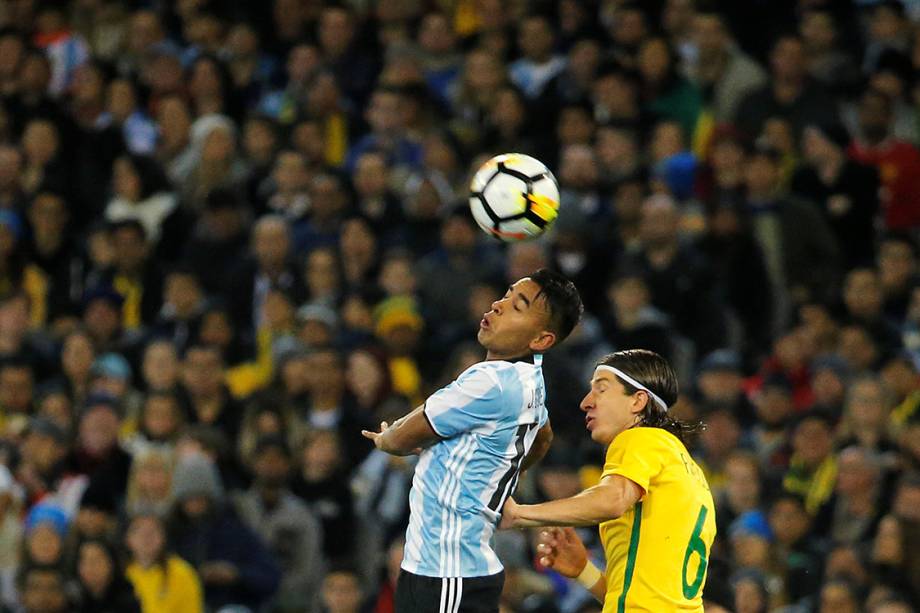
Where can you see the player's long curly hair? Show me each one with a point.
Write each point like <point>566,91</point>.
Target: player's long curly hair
<point>654,372</point>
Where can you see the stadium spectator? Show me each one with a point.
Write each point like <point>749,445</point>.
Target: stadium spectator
<point>102,585</point>
<point>162,580</point>
<point>234,564</point>
<point>290,529</point>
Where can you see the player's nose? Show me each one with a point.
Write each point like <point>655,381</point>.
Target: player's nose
<point>587,403</point>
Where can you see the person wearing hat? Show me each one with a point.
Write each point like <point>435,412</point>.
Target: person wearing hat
<point>45,529</point>
<point>111,376</point>
<point>233,562</point>
<point>289,528</point>
<point>846,191</point>
<point>399,325</point>
<point>751,537</point>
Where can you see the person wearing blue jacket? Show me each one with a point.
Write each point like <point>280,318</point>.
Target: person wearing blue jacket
<point>235,566</point>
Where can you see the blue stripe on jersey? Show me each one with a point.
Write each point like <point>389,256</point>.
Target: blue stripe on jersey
<point>480,417</point>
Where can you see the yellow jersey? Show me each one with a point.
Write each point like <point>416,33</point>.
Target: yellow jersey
<point>657,552</point>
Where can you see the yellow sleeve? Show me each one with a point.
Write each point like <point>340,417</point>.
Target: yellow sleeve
<point>636,454</point>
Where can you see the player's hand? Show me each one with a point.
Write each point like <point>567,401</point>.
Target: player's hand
<point>376,436</point>
<point>509,515</point>
<point>562,550</point>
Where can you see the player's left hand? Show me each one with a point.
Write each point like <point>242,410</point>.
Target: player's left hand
<point>509,515</point>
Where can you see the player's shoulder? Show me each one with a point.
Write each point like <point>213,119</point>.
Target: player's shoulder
<point>485,371</point>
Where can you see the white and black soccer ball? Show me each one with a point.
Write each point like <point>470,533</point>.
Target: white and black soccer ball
<point>514,197</point>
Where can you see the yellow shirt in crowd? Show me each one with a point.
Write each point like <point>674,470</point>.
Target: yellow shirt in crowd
<point>172,587</point>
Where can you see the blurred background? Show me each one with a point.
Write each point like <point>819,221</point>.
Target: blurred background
<point>233,233</point>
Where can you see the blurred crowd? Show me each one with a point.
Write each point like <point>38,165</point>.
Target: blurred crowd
<point>233,234</point>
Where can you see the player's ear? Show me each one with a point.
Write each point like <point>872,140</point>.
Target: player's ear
<point>543,341</point>
<point>637,404</point>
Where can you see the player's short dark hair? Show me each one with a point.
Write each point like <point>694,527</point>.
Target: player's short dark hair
<point>562,299</point>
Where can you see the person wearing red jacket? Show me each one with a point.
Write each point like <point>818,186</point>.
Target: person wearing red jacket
<point>897,161</point>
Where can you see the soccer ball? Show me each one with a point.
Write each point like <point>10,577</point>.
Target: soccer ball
<point>514,197</point>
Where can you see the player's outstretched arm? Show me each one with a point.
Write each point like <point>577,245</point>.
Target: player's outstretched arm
<point>562,550</point>
<point>405,436</point>
<point>612,497</point>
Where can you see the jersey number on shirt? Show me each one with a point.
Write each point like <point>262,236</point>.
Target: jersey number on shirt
<point>508,481</point>
<point>696,545</point>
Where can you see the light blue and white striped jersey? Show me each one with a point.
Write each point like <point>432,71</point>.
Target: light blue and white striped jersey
<point>487,420</point>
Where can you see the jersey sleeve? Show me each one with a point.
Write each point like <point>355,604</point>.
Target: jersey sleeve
<point>637,454</point>
<point>475,397</point>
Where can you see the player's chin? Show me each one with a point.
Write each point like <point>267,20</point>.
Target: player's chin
<point>598,436</point>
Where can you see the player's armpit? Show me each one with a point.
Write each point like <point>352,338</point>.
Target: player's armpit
<point>541,445</point>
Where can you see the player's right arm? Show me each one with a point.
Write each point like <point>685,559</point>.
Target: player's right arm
<point>407,435</point>
<point>469,402</point>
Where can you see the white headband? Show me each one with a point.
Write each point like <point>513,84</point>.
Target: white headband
<point>635,384</point>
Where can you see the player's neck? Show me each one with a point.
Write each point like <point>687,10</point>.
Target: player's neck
<point>510,357</point>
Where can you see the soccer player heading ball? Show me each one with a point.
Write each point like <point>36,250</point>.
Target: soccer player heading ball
<point>653,505</point>
<point>474,437</point>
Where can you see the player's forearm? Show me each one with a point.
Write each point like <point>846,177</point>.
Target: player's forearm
<point>589,508</point>
<point>406,435</point>
<point>390,443</point>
